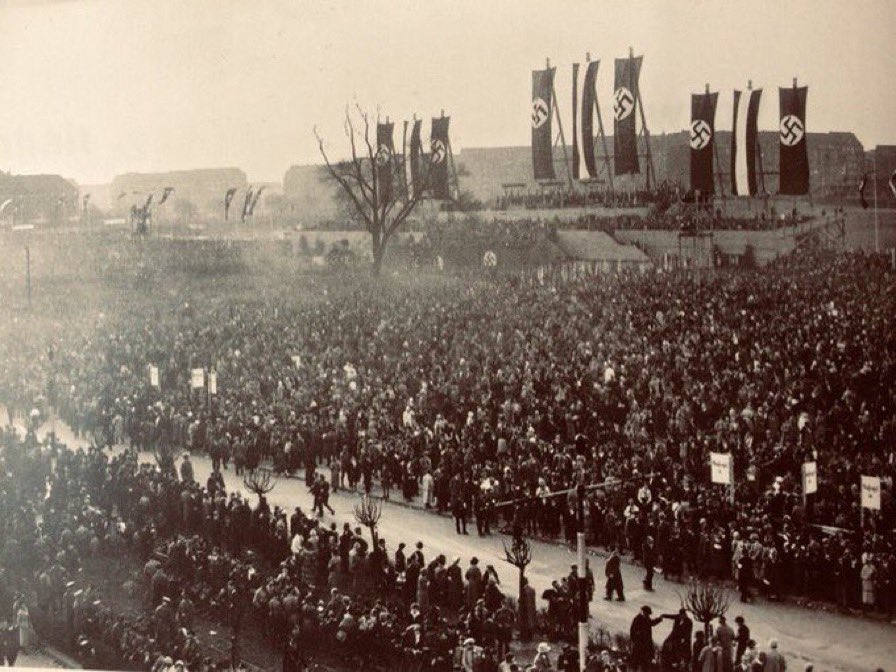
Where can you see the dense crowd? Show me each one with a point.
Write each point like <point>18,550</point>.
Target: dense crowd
<point>556,198</point>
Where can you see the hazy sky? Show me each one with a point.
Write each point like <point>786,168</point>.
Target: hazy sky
<point>93,88</point>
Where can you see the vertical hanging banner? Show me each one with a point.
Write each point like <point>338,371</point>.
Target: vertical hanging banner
<point>438,158</point>
<point>744,139</point>
<point>702,141</point>
<point>870,492</point>
<point>153,375</point>
<point>228,197</point>
<point>721,468</point>
<point>385,150</point>
<point>213,382</point>
<point>810,478</point>
<point>794,157</point>
<point>588,97</point>
<point>412,160</point>
<point>575,122</point>
<point>197,378</point>
<point>542,116</point>
<point>625,104</point>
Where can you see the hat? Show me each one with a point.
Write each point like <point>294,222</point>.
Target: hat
<point>469,641</point>
<point>544,647</point>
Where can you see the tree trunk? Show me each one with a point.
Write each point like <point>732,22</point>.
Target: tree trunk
<point>379,250</point>
<point>525,634</point>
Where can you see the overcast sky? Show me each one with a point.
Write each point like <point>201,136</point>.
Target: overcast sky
<point>93,88</point>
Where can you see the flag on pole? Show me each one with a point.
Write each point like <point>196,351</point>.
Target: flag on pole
<point>165,194</point>
<point>385,151</point>
<point>255,200</point>
<point>862,186</point>
<point>702,141</point>
<point>744,138</point>
<point>541,115</point>
<point>794,157</point>
<point>228,197</point>
<point>438,158</point>
<point>575,121</point>
<point>625,110</point>
<point>588,97</point>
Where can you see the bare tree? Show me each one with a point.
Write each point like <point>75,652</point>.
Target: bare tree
<point>381,209</point>
<point>706,602</point>
<point>520,555</point>
<point>368,513</point>
<point>260,481</point>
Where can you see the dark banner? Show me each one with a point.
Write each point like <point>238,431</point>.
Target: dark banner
<point>575,122</point>
<point>625,104</point>
<point>385,150</point>
<point>438,158</point>
<point>413,154</point>
<point>702,140</point>
<point>794,162</point>
<point>744,143</point>
<point>542,113</point>
<point>588,92</point>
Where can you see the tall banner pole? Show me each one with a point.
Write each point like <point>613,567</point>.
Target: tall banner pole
<point>876,218</point>
<point>651,176</point>
<point>603,138</point>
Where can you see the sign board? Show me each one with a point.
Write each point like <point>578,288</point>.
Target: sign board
<point>213,382</point>
<point>154,375</point>
<point>197,378</point>
<point>871,492</point>
<point>721,468</point>
<point>297,360</point>
<point>810,478</point>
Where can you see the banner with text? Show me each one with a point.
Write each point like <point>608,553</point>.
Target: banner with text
<point>721,468</point>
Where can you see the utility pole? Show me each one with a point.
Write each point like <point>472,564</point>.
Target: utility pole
<point>28,274</point>
<point>582,576</point>
<point>876,218</point>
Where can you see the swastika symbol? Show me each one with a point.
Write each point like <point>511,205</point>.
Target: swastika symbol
<point>383,154</point>
<point>701,134</point>
<point>623,103</point>
<point>439,152</point>
<point>792,130</point>
<point>489,259</point>
<point>539,112</point>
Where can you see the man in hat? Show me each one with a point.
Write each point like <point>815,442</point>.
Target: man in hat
<point>649,558</point>
<point>641,633</point>
<point>542,660</point>
<point>742,638</point>
<point>186,469</point>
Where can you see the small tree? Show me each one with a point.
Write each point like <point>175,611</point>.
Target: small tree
<point>368,513</point>
<point>706,602</point>
<point>381,207</point>
<point>260,481</point>
<point>520,555</point>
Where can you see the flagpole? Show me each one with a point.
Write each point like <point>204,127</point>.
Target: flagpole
<point>876,219</point>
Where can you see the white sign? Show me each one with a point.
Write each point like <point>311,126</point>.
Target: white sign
<point>197,378</point>
<point>810,477</point>
<point>871,492</point>
<point>297,361</point>
<point>153,375</point>
<point>213,382</point>
<point>489,259</point>
<point>721,468</point>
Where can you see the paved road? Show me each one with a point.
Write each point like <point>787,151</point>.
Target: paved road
<point>829,640</point>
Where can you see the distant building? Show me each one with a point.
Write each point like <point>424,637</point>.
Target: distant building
<point>311,194</point>
<point>50,199</point>
<point>204,188</point>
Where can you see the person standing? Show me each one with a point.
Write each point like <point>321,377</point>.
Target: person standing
<point>774,661</point>
<point>742,638</point>
<point>613,572</point>
<point>459,511</point>
<point>186,469</point>
<point>725,635</point>
<point>641,634</point>
<point>474,582</point>
<point>649,557</point>
<point>710,659</point>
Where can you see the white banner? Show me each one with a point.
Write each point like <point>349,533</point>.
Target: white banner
<point>297,360</point>
<point>871,492</point>
<point>154,375</point>
<point>197,378</point>
<point>721,468</point>
<point>810,477</point>
<point>213,382</point>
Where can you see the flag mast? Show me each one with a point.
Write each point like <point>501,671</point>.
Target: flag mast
<point>603,136</point>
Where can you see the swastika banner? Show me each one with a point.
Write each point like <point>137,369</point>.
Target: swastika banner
<point>702,141</point>
<point>385,152</point>
<point>794,161</point>
<point>625,111</point>
<point>438,156</point>
<point>541,114</point>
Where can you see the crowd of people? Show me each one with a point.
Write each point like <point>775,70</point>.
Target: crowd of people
<point>561,197</point>
<point>472,394</point>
